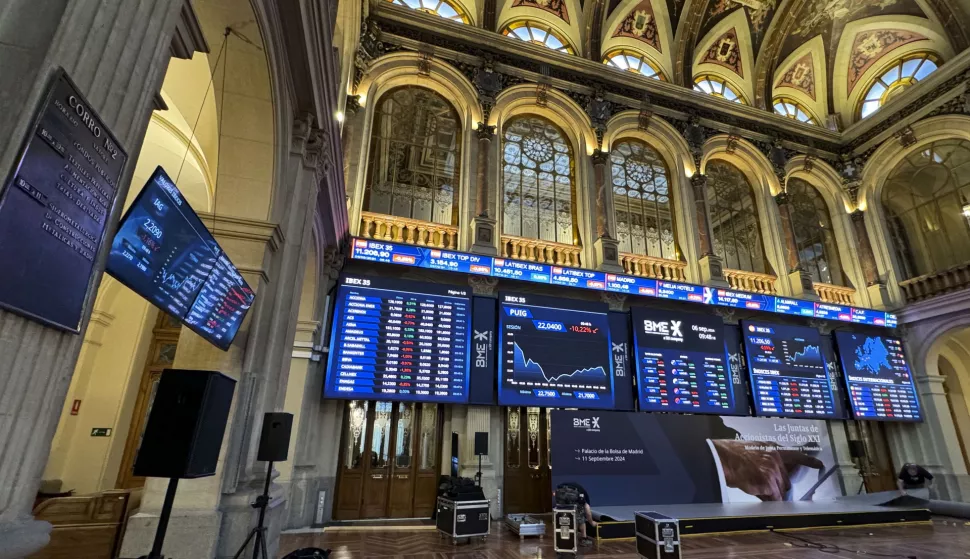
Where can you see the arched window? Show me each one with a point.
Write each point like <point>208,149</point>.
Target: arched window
<point>537,33</point>
<point>713,85</point>
<point>904,72</point>
<point>632,61</point>
<point>814,237</point>
<point>734,218</point>
<point>415,154</point>
<point>785,106</point>
<point>926,200</point>
<point>641,201</point>
<point>441,8</point>
<point>538,181</point>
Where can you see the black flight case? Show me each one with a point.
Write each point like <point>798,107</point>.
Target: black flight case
<point>658,536</point>
<point>463,519</point>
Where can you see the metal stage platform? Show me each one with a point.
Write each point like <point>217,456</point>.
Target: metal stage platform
<point>880,508</point>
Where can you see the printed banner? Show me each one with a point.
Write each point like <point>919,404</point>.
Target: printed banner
<point>625,459</point>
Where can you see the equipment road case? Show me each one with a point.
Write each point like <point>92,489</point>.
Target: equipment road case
<point>463,519</point>
<point>524,525</point>
<point>658,536</point>
<point>565,529</point>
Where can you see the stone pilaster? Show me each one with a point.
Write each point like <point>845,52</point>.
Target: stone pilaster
<point>878,295</point>
<point>484,239</point>
<point>711,269</point>
<point>348,134</point>
<point>120,76</point>
<point>799,278</point>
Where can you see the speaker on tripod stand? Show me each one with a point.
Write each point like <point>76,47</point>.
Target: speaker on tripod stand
<point>857,450</point>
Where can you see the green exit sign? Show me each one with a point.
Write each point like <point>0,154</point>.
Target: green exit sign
<point>101,431</point>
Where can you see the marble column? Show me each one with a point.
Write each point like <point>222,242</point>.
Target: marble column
<point>878,295</point>
<point>710,263</point>
<point>607,249</point>
<point>116,52</point>
<point>799,278</point>
<point>484,239</point>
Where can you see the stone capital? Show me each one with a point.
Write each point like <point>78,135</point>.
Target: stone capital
<point>782,198</point>
<point>485,131</point>
<point>698,181</point>
<point>599,157</point>
<point>483,285</point>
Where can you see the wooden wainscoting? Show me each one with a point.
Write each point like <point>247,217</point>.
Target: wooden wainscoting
<point>89,526</point>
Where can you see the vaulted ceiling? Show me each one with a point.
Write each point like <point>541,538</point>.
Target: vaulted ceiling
<point>821,55</point>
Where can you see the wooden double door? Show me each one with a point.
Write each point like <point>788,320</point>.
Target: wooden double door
<point>390,456</point>
<point>528,464</point>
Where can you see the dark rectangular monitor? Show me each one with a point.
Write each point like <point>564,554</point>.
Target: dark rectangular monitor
<point>682,364</point>
<point>163,252</point>
<point>878,377</point>
<point>789,377</point>
<point>554,352</point>
<point>399,340</point>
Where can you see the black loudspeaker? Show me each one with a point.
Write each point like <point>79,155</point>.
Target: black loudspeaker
<point>454,454</point>
<point>481,443</point>
<point>274,440</point>
<point>857,449</point>
<point>185,428</point>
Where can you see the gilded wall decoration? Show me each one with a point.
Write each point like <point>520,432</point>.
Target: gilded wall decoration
<point>869,46</point>
<point>821,13</point>
<point>640,24</point>
<point>555,7</point>
<point>726,52</point>
<point>801,76</point>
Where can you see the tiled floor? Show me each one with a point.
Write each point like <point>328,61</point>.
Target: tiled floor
<point>944,539</point>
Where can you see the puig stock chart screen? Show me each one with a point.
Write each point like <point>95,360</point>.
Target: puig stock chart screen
<point>399,340</point>
<point>554,352</point>
<point>878,377</point>
<point>788,373</point>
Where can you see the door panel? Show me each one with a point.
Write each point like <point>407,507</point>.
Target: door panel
<point>526,468</point>
<point>389,461</point>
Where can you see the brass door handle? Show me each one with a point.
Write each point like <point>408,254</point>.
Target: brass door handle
<point>377,476</point>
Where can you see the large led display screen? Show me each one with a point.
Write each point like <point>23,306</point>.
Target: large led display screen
<point>554,352</point>
<point>788,374</point>
<point>681,362</point>
<point>399,340</point>
<point>163,252</point>
<point>878,377</point>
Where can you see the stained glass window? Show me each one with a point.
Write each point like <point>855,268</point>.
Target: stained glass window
<point>814,237</point>
<point>635,62</point>
<point>905,72</point>
<point>926,200</point>
<point>734,218</point>
<point>415,155</point>
<point>641,201</point>
<point>537,33</point>
<point>441,8</point>
<point>712,85</point>
<point>785,106</point>
<point>538,181</point>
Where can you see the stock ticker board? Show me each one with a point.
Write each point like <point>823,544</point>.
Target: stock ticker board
<point>453,261</point>
<point>554,352</point>
<point>788,374</point>
<point>681,362</point>
<point>399,340</point>
<point>878,377</point>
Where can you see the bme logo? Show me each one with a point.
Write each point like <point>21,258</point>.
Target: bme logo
<point>482,342</point>
<point>589,423</point>
<point>663,328</point>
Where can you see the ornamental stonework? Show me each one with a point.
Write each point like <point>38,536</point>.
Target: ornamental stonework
<point>869,46</point>
<point>801,76</point>
<point>726,52</point>
<point>640,24</point>
<point>555,7</point>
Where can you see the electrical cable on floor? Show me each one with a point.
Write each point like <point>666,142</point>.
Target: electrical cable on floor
<point>834,549</point>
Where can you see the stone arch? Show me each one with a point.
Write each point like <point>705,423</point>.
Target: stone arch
<point>402,69</point>
<point>765,184</point>
<point>933,39</point>
<point>570,29</point>
<point>672,147</point>
<point>827,181</point>
<point>562,111</point>
<point>612,39</point>
<point>802,76</point>
<point>876,172</point>
<point>739,75</point>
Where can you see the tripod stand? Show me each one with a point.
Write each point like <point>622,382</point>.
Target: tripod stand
<point>259,532</point>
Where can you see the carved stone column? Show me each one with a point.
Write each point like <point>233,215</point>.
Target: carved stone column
<point>93,41</point>
<point>801,281</point>
<point>878,295</point>
<point>485,241</point>
<point>606,245</point>
<point>710,264</point>
<point>347,137</point>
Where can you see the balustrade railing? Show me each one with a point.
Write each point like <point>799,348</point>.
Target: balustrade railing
<point>937,283</point>
<point>835,294</point>
<point>543,252</point>
<point>653,267</point>
<point>750,281</point>
<point>408,231</point>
